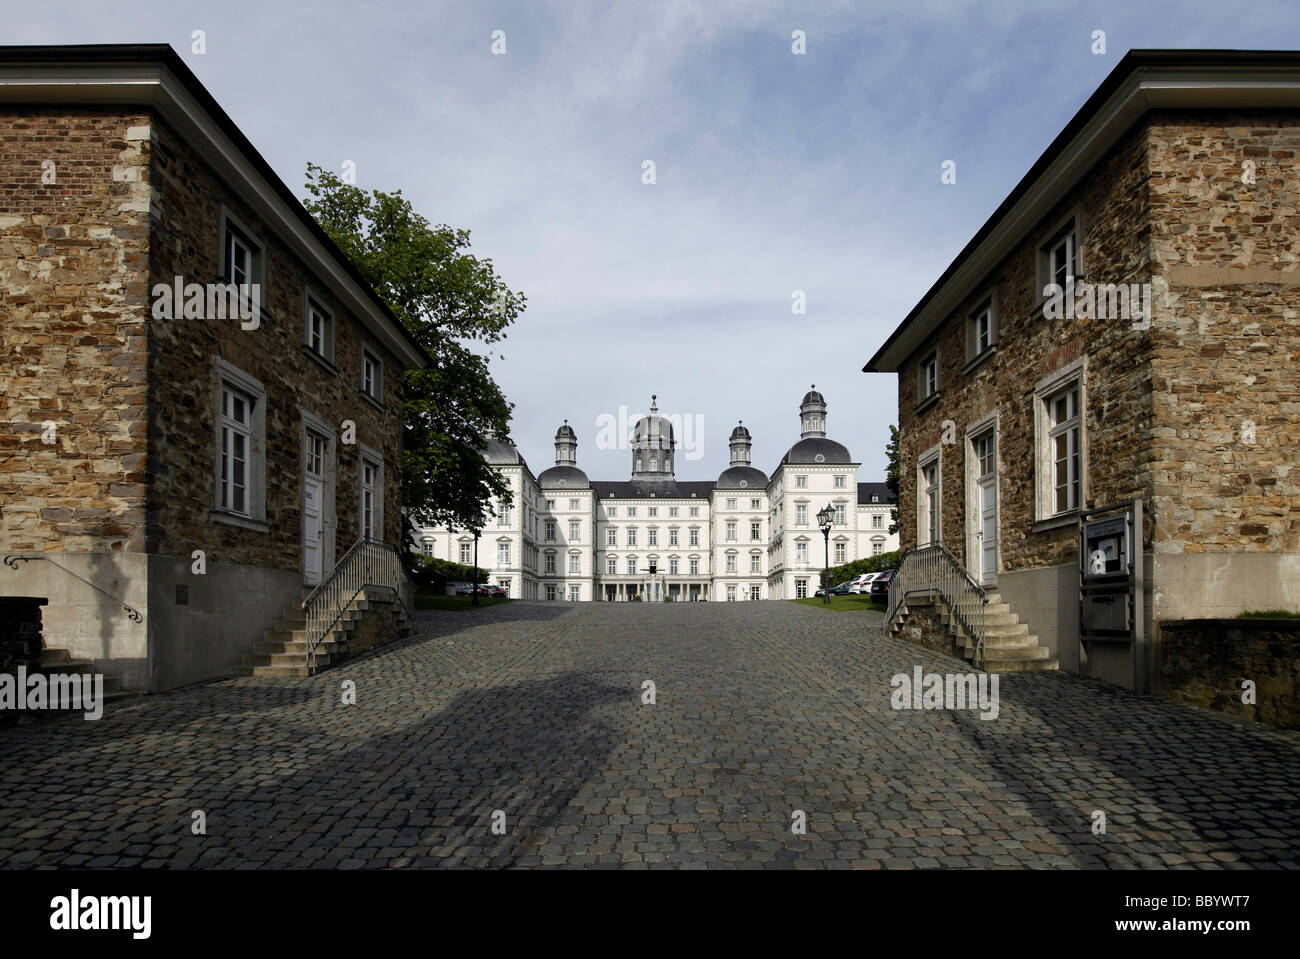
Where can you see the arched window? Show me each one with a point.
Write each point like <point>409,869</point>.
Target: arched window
<point>654,464</point>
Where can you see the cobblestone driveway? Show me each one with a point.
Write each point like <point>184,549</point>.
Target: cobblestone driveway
<point>535,709</point>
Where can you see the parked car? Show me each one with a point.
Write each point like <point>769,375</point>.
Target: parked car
<point>863,583</point>
<point>840,590</point>
<point>465,590</point>
<point>880,586</point>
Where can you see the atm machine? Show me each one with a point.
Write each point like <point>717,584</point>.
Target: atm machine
<point>1111,595</point>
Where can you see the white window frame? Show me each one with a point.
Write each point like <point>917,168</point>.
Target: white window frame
<point>234,230</point>
<point>986,314</point>
<point>928,376</point>
<point>227,376</point>
<point>1072,375</point>
<point>372,368</point>
<point>315,310</point>
<point>370,457</point>
<point>927,513</point>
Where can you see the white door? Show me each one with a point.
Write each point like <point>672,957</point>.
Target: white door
<point>313,510</point>
<point>986,451</point>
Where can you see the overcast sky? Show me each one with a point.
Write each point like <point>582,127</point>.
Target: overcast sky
<point>774,172</point>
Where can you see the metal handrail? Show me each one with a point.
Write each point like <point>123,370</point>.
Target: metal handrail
<point>13,559</point>
<point>369,563</point>
<point>933,568</point>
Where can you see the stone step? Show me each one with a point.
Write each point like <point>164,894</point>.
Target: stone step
<point>1009,654</point>
<point>297,647</point>
<point>284,659</point>
<point>278,672</point>
<point>1021,666</point>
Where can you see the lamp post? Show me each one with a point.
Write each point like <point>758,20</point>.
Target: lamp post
<point>474,586</point>
<point>825,519</point>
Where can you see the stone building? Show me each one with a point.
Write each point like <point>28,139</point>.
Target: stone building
<point>1016,411</point>
<point>742,537</point>
<point>197,457</point>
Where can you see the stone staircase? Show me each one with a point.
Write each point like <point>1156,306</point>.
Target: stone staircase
<point>373,618</point>
<point>55,661</point>
<point>1008,645</point>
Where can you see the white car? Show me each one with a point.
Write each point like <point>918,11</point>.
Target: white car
<point>862,584</point>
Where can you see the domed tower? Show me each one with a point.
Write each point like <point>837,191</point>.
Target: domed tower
<point>652,452</point>
<point>812,414</point>
<point>740,443</point>
<point>566,446</point>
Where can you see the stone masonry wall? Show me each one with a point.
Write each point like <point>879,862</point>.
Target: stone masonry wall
<point>73,271</point>
<point>1111,201</point>
<point>1226,362</point>
<point>187,242</point>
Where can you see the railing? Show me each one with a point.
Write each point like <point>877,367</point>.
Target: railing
<point>369,564</point>
<point>932,568</point>
<point>13,559</point>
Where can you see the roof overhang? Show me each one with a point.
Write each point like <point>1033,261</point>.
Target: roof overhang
<point>1144,80</point>
<point>153,77</point>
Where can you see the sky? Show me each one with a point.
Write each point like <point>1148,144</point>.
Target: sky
<point>774,172</point>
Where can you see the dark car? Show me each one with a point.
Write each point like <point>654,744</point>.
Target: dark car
<point>880,586</point>
<point>840,590</point>
<point>465,590</point>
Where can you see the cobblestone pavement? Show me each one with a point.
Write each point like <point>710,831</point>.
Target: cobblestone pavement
<point>536,710</point>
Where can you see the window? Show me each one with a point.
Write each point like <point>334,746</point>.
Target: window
<point>839,516</point>
<point>575,564</point>
<point>550,591</point>
<point>550,563</point>
<point>672,567</point>
<point>695,537</point>
<point>755,532</point>
<point>877,548</point>
<point>731,592</point>
<point>652,537</point>
<point>877,521</point>
<point>694,512</point>
<point>839,482</point>
<point>371,375</point>
<point>1062,257</point>
<point>654,464</point>
<point>631,512</point>
<point>840,554</point>
<point>550,531</point>
<point>631,565</point>
<point>980,335</point>
<point>1063,418</point>
<point>755,564</point>
<point>611,565</point>
<point>503,554</point>
<point>550,504</point>
<point>653,511</point>
<point>801,482</point>
<point>801,514</point>
<point>466,554</point>
<point>731,531</point>
<point>928,377</point>
<point>731,503</point>
<point>611,536</point>
<point>672,512</point>
<point>236,441</point>
<point>573,504</point>
<point>371,493</point>
<point>801,553</point>
<point>672,537</point>
<point>428,549</point>
<point>755,504</point>
<point>631,536</point>
<point>731,563</point>
<point>695,567</point>
<point>574,527</point>
<point>754,592</point>
<point>320,330</point>
<point>613,511</point>
<point>930,532</point>
<point>242,260</point>
<point>503,519</point>
<point>575,593</point>
<point>801,588</point>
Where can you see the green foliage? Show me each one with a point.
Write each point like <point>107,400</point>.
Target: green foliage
<point>448,301</point>
<point>431,574</point>
<point>1268,614</point>
<point>891,479</point>
<point>872,564</point>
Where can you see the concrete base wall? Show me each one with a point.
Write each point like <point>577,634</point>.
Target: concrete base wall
<point>1047,600</point>
<point>228,610</point>
<point>1219,585</point>
<point>84,621</point>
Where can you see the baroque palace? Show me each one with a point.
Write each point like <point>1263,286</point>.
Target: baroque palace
<point>654,537</point>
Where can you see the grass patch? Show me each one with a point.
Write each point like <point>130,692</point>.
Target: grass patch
<point>842,604</point>
<point>436,601</point>
<point>1268,614</point>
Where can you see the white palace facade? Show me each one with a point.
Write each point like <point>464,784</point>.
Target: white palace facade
<point>654,537</point>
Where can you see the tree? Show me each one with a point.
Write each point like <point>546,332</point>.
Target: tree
<point>891,476</point>
<point>448,300</point>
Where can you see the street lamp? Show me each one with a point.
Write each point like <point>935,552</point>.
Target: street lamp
<point>825,519</point>
<point>474,585</point>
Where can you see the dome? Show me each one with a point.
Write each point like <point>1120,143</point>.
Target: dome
<point>498,452</point>
<point>742,477</point>
<point>569,477</point>
<point>740,433</point>
<point>566,432</point>
<point>652,427</point>
<point>812,396</point>
<point>817,449</point>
